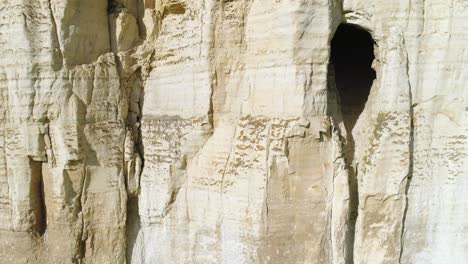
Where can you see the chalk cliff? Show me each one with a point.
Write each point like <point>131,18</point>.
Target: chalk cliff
<point>234,131</point>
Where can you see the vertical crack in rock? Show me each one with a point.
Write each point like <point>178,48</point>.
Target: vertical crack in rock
<point>411,162</point>
<point>36,208</point>
<point>134,159</point>
<point>131,36</point>
<point>83,236</point>
<point>55,37</point>
<point>113,10</point>
<point>42,210</point>
<point>225,166</point>
<point>352,54</point>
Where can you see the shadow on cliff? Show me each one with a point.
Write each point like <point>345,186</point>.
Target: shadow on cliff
<point>352,55</point>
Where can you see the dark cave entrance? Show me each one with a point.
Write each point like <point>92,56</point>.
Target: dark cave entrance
<point>352,54</point>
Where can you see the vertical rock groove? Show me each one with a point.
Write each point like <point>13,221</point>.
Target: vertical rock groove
<point>407,182</point>
<point>351,58</point>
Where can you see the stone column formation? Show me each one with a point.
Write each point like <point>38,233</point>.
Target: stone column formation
<point>210,131</point>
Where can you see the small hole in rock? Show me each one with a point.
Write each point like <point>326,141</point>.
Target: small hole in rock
<point>113,7</point>
<point>174,9</point>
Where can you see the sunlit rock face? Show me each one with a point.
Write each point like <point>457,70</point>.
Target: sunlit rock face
<point>241,131</point>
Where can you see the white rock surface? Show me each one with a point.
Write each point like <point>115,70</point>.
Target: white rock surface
<point>178,131</point>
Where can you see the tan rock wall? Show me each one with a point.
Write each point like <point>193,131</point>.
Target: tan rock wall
<point>178,131</point>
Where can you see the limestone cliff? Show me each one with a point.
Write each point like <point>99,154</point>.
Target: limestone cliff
<point>233,131</point>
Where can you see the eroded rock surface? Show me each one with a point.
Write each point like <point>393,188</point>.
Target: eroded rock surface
<point>214,131</point>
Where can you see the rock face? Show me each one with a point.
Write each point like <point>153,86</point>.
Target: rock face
<point>233,131</point>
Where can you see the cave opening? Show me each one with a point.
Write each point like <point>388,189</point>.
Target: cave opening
<point>352,54</point>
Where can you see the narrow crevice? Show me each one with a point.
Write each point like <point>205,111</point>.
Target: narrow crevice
<point>136,82</point>
<point>113,10</point>
<point>82,235</point>
<point>132,82</point>
<point>42,221</point>
<point>211,112</point>
<point>56,36</point>
<point>136,127</point>
<point>408,184</point>
<point>352,54</point>
<point>133,226</point>
<point>411,168</point>
<point>37,199</point>
<point>82,250</point>
<point>141,6</point>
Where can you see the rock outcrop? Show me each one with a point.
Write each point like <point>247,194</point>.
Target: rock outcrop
<point>233,131</point>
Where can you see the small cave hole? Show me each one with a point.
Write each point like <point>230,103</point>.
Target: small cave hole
<point>174,9</point>
<point>352,54</point>
<point>114,7</point>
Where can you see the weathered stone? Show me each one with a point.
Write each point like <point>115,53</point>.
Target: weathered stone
<point>176,131</point>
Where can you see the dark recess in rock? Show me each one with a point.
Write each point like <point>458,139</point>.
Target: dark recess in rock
<point>352,54</point>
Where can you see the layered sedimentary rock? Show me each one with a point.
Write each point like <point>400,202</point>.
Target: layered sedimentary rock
<point>215,131</point>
